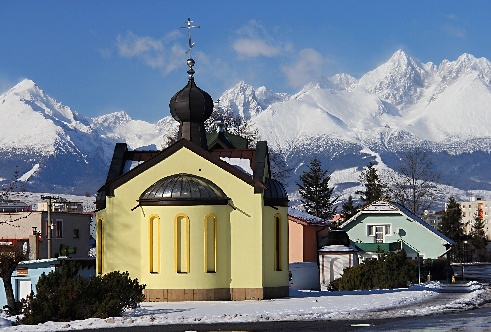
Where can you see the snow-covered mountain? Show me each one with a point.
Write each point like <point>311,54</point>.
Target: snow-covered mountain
<point>120,127</point>
<point>344,121</point>
<point>397,106</point>
<point>247,102</point>
<point>53,148</point>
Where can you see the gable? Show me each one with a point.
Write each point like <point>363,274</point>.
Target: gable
<point>381,211</point>
<point>116,182</point>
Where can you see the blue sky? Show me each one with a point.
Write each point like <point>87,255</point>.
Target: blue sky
<point>103,56</point>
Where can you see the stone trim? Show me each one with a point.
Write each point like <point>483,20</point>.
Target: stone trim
<point>215,294</point>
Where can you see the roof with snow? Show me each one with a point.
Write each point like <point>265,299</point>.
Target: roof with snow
<point>305,218</point>
<point>338,248</point>
<point>383,206</point>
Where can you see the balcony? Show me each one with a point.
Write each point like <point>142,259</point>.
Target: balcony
<point>374,247</point>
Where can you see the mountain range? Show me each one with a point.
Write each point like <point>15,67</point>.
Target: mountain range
<point>344,121</point>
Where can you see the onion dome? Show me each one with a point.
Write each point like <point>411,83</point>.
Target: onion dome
<point>183,189</point>
<point>191,106</point>
<point>275,194</point>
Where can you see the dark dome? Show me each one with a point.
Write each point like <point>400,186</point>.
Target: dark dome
<point>337,237</point>
<point>191,104</point>
<point>275,193</point>
<point>183,189</point>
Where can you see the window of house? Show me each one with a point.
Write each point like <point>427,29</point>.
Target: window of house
<point>210,237</point>
<point>76,233</point>
<point>99,246</point>
<point>379,232</point>
<point>277,243</point>
<point>59,228</point>
<point>154,240</point>
<point>181,243</point>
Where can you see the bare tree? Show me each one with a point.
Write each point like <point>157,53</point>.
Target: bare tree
<point>415,183</point>
<point>9,259</point>
<point>234,124</point>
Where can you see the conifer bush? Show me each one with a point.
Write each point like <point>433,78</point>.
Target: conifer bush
<point>390,270</point>
<point>63,295</point>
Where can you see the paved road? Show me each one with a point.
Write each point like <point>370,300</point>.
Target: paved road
<point>394,319</point>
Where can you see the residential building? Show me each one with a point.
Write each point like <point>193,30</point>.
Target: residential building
<point>305,233</point>
<point>61,206</point>
<point>13,206</point>
<point>433,218</point>
<point>474,207</point>
<point>389,226</point>
<point>200,220</point>
<point>69,233</point>
<point>27,273</point>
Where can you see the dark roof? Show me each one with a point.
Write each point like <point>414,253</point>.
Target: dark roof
<point>191,104</point>
<point>338,237</point>
<point>183,189</point>
<point>225,140</point>
<point>275,193</point>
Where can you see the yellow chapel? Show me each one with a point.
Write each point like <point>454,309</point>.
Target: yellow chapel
<point>201,219</point>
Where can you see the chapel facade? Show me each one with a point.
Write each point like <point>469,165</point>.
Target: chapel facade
<point>200,220</point>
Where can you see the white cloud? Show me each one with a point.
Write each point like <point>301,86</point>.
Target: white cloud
<point>454,31</point>
<point>105,52</point>
<point>252,48</point>
<point>453,28</point>
<point>153,52</point>
<point>254,41</point>
<point>304,68</point>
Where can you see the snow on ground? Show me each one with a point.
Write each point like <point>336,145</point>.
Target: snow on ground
<point>301,305</point>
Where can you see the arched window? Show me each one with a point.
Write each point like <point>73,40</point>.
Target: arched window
<point>181,243</point>
<point>277,242</point>
<point>99,245</point>
<point>154,243</point>
<point>210,241</point>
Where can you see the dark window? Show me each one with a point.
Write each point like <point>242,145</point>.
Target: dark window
<point>59,228</point>
<point>277,231</point>
<point>76,233</point>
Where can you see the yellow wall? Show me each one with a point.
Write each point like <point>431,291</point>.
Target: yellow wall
<point>168,278</point>
<point>271,276</point>
<point>240,238</point>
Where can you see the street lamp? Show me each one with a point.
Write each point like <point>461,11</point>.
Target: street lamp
<point>465,259</point>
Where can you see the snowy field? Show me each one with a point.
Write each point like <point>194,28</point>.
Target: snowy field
<point>301,305</point>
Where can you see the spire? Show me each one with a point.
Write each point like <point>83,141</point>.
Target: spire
<point>191,106</point>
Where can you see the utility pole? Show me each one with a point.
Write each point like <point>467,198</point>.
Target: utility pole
<point>50,222</point>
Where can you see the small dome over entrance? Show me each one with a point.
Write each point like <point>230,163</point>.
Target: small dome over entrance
<point>183,189</point>
<point>275,194</point>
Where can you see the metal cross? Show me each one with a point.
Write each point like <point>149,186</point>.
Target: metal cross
<point>189,26</point>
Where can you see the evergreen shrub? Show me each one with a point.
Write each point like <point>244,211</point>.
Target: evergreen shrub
<point>390,270</point>
<point>63,295</point>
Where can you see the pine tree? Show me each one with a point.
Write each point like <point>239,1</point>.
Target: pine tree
<point>374,187</point>
<point>315,191</point>
<point>453,228</point>
<point>349,208</point>
<point>478,240</point>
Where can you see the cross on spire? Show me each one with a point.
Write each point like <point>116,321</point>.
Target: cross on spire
<point>189,27</point>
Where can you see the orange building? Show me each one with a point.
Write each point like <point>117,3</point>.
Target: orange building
<point>304,233</point>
